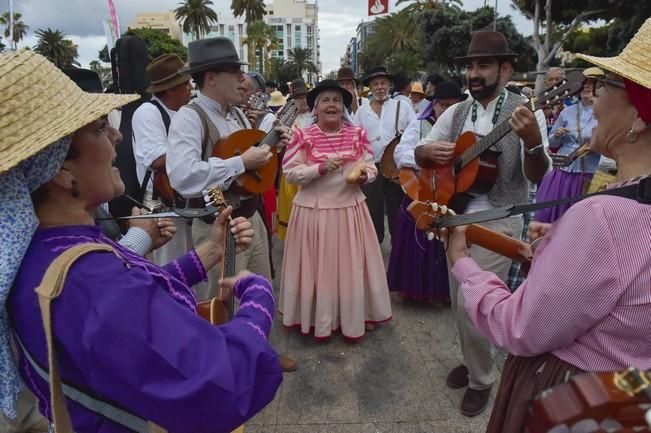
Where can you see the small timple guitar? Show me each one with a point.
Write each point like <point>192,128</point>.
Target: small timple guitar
<point>219,310</point>
<point>590,398</point>
<point>473,168</point>
<point>425,213</point>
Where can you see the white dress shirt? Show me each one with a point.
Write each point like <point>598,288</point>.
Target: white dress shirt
<point>404,153</point>
<point>267,122</point>
<point>404,100</point>
<point>421,106</point>
<point>442,131</point>
<point>149,137</point>
<point>189,174</point>
<point>381,129</point>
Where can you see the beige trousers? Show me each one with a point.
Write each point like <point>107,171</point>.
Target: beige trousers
<point>477,352</point>
<point>255,258</point>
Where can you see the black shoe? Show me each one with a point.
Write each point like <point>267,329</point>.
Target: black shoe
<point>457,377</point>
<point>475,401</point>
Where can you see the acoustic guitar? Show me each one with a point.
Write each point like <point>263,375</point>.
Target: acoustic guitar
<point>161,182</point>
<point>218,310</point>
<point>473,168</point>
<point>589,399</point>
<point>258,180</point>
<point>388,166</point>
<point>425,213</point>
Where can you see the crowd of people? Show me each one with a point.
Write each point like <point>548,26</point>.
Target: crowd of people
<point>73,287</point>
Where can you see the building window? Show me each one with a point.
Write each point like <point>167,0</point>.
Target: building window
<point>240,30</point>
<point>309,30</point>
<point>221,29</point>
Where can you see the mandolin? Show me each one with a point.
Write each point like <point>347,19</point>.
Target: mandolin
<point>567,160</point>
<point>259,180</point>
<point>425,213</point>
<point>218,310</point>
<point>161,182</point>
<point>623,397</point>
<point>473,168</point>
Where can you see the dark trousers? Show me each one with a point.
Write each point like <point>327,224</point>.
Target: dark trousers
<point>383,197</point>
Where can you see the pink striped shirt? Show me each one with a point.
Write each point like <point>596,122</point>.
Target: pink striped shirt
<point>587,298</point>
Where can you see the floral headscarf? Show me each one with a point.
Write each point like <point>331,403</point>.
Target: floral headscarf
<point>17,225</point>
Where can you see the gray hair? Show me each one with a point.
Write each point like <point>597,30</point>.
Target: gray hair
<point>346,117</point>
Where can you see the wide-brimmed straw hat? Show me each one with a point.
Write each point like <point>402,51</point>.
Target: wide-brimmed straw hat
<point>328,85</point>
<point>417,87</point>
<point>163,73</point>
<point>634,62</point>
<point>39,104</point>
<point>277,99</point>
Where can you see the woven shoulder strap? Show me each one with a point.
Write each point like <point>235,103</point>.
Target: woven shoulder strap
<point>50,288</point>
<point>210,132</point>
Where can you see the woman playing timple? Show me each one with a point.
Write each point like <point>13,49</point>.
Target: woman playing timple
<point>333,275</point>
<point>125,331</point>
<point>586,304</point>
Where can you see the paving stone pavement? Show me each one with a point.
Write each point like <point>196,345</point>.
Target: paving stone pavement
<point>393,381</point>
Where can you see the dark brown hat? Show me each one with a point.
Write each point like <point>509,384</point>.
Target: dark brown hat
<point>208,53</point>
<point>346,73</point>
<point>298,88</point>
<point>380,71</point>
<point>163,73</point>
<point>486,43</point>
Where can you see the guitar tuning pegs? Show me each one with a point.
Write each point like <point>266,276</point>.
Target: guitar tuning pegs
<point>444,209</point>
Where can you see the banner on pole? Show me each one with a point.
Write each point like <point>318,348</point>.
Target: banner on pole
<point>114,18</point>
<point>378,7</point>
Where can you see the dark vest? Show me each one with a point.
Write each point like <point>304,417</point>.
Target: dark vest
<point>511,185</point>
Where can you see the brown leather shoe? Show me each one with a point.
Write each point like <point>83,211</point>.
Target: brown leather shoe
<point>475,401</point>
<point>288,364</point>
<point>457,377</point>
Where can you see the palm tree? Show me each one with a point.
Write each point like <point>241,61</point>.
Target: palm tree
<point>397,32</point>
<point>253,10</point>
<point>421,5</point>
<point>300,58</point>
<point>20,28</point>
<point>406,62</point>
<point>260,38</point>
<point>274,68</point>
<point>55,47</point>
<point>196,16</point>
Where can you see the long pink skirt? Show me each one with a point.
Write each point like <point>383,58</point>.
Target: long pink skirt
<point>333,275</point>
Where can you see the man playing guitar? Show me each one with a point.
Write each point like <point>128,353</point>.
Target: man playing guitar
<point>216,69</point>
<point>488,66</point>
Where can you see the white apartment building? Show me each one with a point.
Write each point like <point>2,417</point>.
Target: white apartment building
<point>297,26</point>
<point>162,21</point>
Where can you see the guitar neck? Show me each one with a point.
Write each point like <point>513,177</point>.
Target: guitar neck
<point>484,144</point>
<point>499,243</point>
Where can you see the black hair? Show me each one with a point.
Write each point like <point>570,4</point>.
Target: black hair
<point>400,82</point>
<point>434,78</point>
<point>271,84</point>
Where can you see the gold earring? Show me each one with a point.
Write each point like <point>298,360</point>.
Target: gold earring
<point>632,136</point>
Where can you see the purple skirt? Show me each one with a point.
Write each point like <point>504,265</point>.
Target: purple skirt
<point>417,267</point>
<point>557,185</point>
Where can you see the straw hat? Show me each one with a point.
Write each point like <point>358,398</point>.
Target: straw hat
<point>594,72</point>
<point>634,62</point>
<point>39,104</point>
<point>417,87</point>
<point>277,99</point>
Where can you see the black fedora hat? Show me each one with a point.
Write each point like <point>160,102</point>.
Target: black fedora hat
<point>328,85</point>
<point>448,89</point>
<point>298,88</point>
<point>487,43</point>
<point>380,71</point>
<point>86,79</point>
<point>207,53</point>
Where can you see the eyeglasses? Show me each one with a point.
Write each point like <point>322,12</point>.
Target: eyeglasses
<point>600,83</point>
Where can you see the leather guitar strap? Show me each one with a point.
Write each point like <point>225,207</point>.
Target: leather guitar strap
<point>640,192</point>
<point>395,127</point>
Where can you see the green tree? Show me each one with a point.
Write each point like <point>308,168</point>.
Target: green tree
<point>55,47</point>
<point>253,10</point>
<point>20,28</point>
<point>2,46</point>
<point>196,16</point>
<point>417,6</point>
<point>407,62</point>
<point>159,43</point>
<point>301,60</point>
<point>274,68</point>
<point>259,39</point>
<point>104,55</point>
<point>104,72</point>
<point>446,34</point>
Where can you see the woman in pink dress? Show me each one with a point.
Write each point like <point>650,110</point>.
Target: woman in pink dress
<point>333,275</point>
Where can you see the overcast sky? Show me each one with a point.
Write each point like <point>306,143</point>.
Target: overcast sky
<point>81,21</point>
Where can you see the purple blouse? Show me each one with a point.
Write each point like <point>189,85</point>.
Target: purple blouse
<point>126,332</point>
